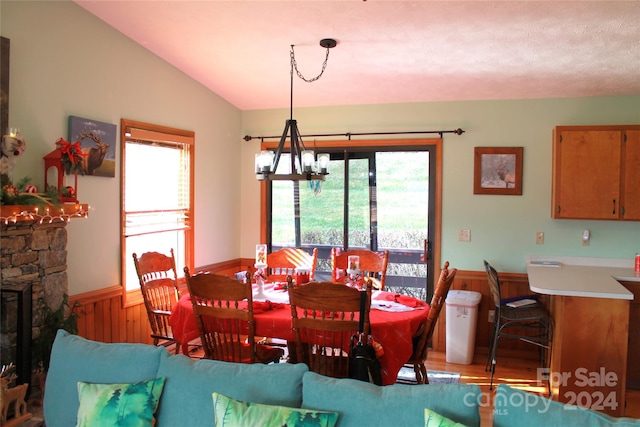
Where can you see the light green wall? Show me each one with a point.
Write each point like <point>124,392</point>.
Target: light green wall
<point>64,62</point>
<point>502,228</point>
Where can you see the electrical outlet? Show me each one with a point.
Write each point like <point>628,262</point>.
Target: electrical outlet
<point>464,235</point>
<point>540,238</point>
<point>492,315</point>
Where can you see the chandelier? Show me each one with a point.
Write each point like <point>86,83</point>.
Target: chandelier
<point>304,165</point>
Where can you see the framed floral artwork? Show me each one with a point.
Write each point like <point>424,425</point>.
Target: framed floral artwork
<point>497,170</point>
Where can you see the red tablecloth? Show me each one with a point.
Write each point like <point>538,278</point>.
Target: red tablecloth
<point>393,330</point>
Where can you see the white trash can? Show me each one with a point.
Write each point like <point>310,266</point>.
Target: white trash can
<point>462,314</point>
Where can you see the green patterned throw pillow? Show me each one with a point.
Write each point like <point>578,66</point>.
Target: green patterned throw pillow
<point>433,419</point>
<point>229,412</point>
<point>126,405</point>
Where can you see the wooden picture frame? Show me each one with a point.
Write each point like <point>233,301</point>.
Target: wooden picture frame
<point>98,141</point>
<point>497,170</point>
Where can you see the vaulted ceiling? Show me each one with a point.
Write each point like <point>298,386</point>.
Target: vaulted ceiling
<point>390,51</point>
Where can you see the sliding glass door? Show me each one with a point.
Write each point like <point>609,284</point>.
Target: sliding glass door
<point>377,200</point>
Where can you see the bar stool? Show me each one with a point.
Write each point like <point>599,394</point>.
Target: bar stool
<point>529,323</point>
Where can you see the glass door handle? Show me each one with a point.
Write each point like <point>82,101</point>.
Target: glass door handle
<point>426,251</point>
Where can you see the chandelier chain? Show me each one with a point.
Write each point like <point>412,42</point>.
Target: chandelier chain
<point>295,66</point>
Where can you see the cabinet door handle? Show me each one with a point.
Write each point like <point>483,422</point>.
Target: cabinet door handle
<point>614,206</point>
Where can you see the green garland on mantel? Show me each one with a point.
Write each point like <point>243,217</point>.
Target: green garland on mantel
<point>18,195</point>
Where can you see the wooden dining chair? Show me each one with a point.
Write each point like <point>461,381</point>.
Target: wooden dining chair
<point>324,317</point>
<point>223,307</point>
<point>283,263</point>
<point>372,265</point>
<point>422,340</point>
<point>159,286</point>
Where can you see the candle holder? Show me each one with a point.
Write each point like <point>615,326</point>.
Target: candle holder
<point>354,278</point>
<point>260,277</point>
<point>66,159</point>
<point>261,268</point>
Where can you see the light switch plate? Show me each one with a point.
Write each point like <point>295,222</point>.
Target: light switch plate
<point>540,238</point>
<point>464,235</point>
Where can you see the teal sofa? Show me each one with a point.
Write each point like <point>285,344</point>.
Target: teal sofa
<point>186,398</point>
<point>513,407</point>
<point>188,385</point>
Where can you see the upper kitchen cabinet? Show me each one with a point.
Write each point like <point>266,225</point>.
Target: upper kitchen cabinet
<point>596,172</point>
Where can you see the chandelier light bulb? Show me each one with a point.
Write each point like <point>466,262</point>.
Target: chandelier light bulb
<point>308,160</point>
<point>264,160</point>
<point>323,163</point>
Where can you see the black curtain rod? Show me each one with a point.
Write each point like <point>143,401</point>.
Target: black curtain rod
<point>349,135</point>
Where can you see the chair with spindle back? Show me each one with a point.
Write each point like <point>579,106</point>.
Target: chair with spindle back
<point>372,265</point>
<point>423,339</point>
<point>223,307</point>
<point>283,263</point>
<point>159,286</point>
<point>325,316</point>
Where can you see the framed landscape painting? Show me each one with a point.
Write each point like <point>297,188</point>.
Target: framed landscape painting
<point>497,170</point>
<point>98,142</point>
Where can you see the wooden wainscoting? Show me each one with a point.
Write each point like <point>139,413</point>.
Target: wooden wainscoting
<point>512,284</point>
<point>102,316</point>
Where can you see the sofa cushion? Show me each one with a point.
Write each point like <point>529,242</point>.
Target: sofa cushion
<point>515,407</point>
<point>234,412</point>
<point>433,419</point>
<point>359,403</point>
<point>74,359</point>
<point>119,404</point>
<point>190,384</point>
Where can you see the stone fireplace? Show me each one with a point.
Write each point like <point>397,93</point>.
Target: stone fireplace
<point>34,274</point>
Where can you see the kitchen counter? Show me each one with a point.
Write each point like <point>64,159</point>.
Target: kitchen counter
<point>560,278</point>
<point>590,311</point>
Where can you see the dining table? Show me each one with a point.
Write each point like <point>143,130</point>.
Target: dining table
<point>394,320</point>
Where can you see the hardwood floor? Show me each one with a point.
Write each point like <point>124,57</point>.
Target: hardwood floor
<point>518,373</point>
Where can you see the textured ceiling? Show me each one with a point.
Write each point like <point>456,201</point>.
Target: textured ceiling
<point>390,51</point>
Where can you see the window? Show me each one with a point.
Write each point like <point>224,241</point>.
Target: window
<point>378,195</point>
<point>157,197</point>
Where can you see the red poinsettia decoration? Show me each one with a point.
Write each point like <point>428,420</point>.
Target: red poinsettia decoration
<point>72,156</point>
